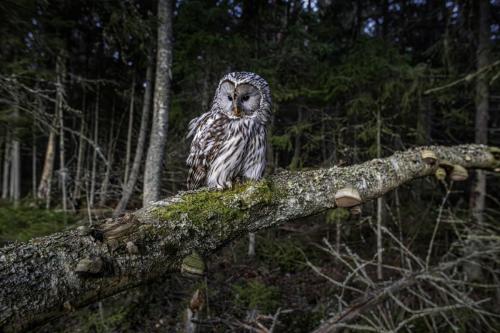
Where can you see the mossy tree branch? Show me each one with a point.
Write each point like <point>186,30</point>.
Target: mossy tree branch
<point>48,276</point>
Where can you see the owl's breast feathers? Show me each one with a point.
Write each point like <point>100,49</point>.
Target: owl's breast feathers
<point>220,147</point>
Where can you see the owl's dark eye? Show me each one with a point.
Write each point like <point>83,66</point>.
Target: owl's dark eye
<point>245,98</point>
<point>229,98</point>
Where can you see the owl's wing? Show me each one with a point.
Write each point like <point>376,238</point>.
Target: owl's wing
<point>208,133</point>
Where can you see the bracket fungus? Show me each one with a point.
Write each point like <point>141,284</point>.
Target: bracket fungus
<point>428,156</point>
<point>193,265</point>
<point>132,248</point>
<point>440,174</point>
<point>355,210</point>
<point>347,197</point>
<point>459,173</point>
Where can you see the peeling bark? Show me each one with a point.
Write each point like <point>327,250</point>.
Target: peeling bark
<point>45,277</point>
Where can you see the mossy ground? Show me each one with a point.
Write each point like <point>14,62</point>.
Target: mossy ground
<point>28,221</point>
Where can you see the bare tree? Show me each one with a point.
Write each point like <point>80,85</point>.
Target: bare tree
<point>61,74</point>
<point>129,130</point>
<point>478,195</point>
<point>103,193</point>
<point>161,100</point>
<point>380,201</point>
<point>94,153</point>
<point>34,166</point>
<point>141,143</point>
<point>79,160</point>
<point>44,188</point>
<point>15,166</point>
<point>482,104</point>
<point>6,166</point>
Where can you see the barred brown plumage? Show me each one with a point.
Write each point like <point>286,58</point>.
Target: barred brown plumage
<point>229,141</point>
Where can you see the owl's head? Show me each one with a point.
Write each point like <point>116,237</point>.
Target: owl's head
<point>243,95</point>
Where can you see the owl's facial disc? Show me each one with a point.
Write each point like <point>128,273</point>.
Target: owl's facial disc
<point>240,101</point>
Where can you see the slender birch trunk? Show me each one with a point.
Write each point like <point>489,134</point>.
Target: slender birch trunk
<point>163,77</point>
<point>94,154</point>
<point>6,167</point>
<point>296,160</point>
<point>380,202</point>
<point>33,161</point>
<point>79,161</point>
<point>61,74</point>
<point>103,193</point>
<point>129,130</point>
<point>15,172</point>
<point>128,188</point>
<point>45,186</point>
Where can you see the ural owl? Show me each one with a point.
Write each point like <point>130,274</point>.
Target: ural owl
<point>229,141</point>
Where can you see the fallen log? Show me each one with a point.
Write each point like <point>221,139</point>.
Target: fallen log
<point>48,276</point>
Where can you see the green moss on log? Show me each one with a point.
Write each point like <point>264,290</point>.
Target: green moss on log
<point>230,205</point>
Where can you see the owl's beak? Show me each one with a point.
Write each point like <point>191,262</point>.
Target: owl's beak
<point>237,111</point>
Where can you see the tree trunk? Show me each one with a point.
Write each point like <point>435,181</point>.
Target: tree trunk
<point>47,276</point>
<point>380,201</point>
<point>94,153</point>
<point>15,165</point>
<point>44,188</point>
<point>141,143</point>
<point>478,196</point>
<point>34,154</point>
<point>296,159</point>
<point>6,167</point>
<point>482,105</point>
<point>79,161</point>
<point>103,193</point>
<point>129,130</point>
<point>156,150</point>
<point>61,74</point>
<point>15,171</point>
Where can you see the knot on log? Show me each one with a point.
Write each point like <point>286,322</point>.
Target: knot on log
<point>90,267</point>
<point>116,229</point>
<point>83,230</point>
<point>132,248</point>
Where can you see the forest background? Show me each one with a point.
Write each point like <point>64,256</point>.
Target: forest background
<point>350,80</point>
